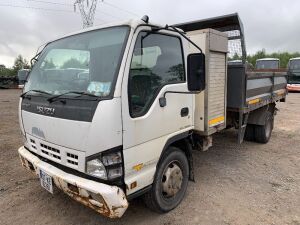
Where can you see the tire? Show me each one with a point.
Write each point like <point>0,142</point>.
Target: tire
<point>167,189</point>
<point>249,133</point>
<point>263,133</point>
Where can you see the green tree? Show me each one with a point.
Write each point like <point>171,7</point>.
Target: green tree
<point>49,64</point>
<point>5,72</point>
<point>177,72</point>
<point>20,63</point>
<point>236,57</point>
<point>74,63</point>
<point>284,57</point>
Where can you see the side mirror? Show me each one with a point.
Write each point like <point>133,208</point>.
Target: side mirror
<point>23,76</point>
<point>196,72</point>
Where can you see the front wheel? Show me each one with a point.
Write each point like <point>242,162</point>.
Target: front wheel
<point>170,182</point>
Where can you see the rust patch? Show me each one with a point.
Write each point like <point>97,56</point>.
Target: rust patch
<point>95,201</point>
<point>73,188</point>
<point>28,165</point>
<point>114,208</point>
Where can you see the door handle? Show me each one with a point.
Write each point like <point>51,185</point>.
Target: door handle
<point>184,112</point>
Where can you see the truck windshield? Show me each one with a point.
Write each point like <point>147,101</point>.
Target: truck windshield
<point>294,64</point>
<point>267,64</point>
<point>87,62</point>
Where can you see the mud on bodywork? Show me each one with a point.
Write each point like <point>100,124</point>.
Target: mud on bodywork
<point>113,205</point>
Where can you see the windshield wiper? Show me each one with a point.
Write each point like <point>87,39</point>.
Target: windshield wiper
<point>54,98</point>
<point>37,91</point>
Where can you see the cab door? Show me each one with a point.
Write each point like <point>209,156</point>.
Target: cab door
<point>155,67</point>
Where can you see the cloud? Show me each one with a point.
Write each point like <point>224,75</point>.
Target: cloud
<point>273,25</point>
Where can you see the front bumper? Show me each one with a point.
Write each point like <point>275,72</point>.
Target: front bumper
<point>293,87</point>
<point>107,200</point>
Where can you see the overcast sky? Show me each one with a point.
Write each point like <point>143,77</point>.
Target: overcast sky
<point>270,24</point>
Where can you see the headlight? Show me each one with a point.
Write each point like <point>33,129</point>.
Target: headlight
<point>96,169</point>
<point>107,165</point>
<point>111,159</point>
<point>115,172</point>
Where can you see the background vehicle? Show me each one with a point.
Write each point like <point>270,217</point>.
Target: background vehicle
<point>113,113</point>
<point>294,74</point>
<point>267,63</point>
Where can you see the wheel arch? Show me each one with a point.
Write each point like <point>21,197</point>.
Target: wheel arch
<point>182,142</point>
<point>258,116</point>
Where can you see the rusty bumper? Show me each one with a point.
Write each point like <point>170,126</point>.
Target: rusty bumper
<point>107,200</point>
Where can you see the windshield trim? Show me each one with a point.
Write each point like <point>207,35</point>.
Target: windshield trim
<point>117,71</point>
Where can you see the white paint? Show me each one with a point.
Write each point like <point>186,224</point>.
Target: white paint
<point>144,137</point>
<point>104,132</point>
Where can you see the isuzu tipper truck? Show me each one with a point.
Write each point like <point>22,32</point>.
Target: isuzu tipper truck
<point>114,112</point>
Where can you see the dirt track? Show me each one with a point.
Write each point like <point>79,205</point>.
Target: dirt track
<point>235,184</point>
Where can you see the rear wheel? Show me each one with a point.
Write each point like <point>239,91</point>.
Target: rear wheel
<point>249,133</point>
<point>170,182</point>
<point>263,133</point>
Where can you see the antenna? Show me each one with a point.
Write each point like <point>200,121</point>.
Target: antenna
<point>87,12</point>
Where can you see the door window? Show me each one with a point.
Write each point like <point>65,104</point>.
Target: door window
<point>157,61</point>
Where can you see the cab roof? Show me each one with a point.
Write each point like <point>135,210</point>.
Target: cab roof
<point>133,23</point>
<point>268,59</point>
<point>297,58</point>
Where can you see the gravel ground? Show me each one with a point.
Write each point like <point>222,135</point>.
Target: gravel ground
<point>235,184</point>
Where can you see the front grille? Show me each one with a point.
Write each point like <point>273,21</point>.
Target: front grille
<point>33,144</point>
<point>58,154</point>
<point>72,159</point>
<point>50,152</point>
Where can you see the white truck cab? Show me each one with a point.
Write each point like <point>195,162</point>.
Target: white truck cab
<point>113,112</point>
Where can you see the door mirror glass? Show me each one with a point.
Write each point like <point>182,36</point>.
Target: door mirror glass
<point>196,72</point>
<point>23,76</point>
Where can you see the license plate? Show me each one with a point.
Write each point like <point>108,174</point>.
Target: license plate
<point>46,181</point>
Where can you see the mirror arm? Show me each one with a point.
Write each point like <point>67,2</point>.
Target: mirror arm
<point>156,29</point>
<point>35,58</point>
<point>185,37</point>
<point>163,100</point>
